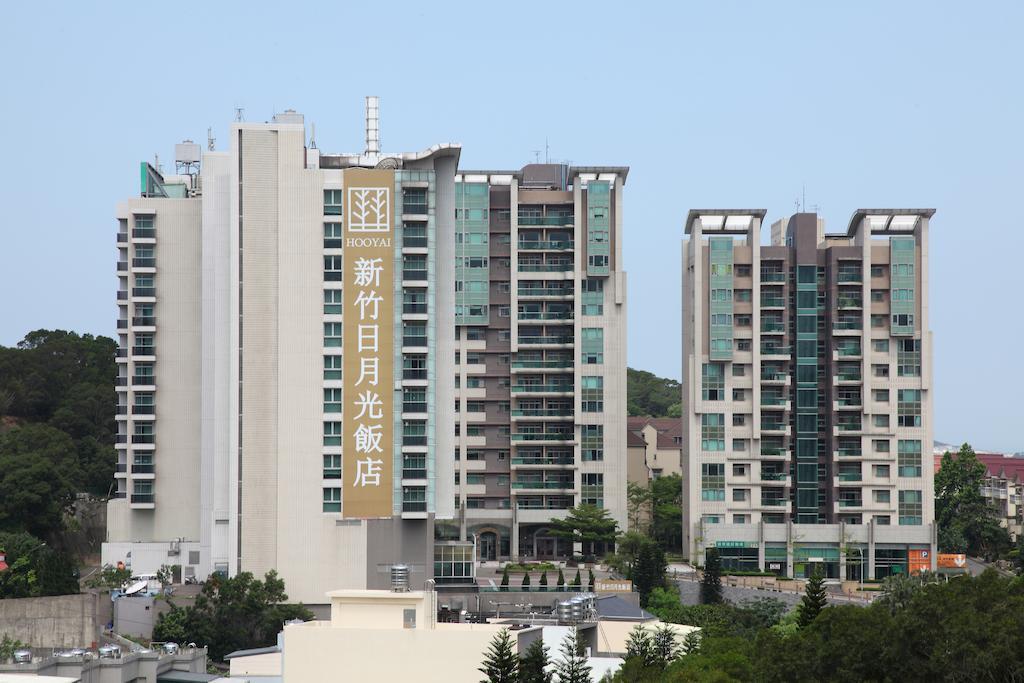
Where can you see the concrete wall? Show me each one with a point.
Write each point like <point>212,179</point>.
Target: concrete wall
<point>57,621</point>
<point>135,616</point>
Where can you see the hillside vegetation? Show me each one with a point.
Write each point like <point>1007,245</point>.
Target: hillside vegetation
<point>650,395</point>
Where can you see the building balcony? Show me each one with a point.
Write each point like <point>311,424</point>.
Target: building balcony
<point>140,381</point>
<point>143,468</point>
<point>542,461</point>
<point>774,479</point>
<point>144,321</point>
<point>773,276</point>
<point>847,353</point>
<point>545,293</point>
<point>122,295</point>
<point>849,505</point>
<point>777,504</point>
<point>556,340</point>
<point>122,238</point>
<point>772,327</point>
<point>545,267</point>
<point>775,378</point>
<point>773,302</point>
<point>556,316</point>
<point>775,428</point>
<point>847,453</point>
<point>774,452</point>
<point>540,389</point>
<point>143,351</point>
<point>841,328</point>
<point>122,267</point>
<point>143,233</point>
<point>847,378</point>
<point>148,262</point>
<point>143,499</point>
<point>144,438</point>
<point>775,351</point>
<point>543,414</point>
<point>545,220</point>
<point>143,410</point>
<point>849,303</point>
<point>779,402</point>
<point>547,245</point>
<point>850,278</point>
<point>566,365</point>
<point>143,292</point>
<point>409,275</point>
<point>847,404</point>
<point>533,486</point>
<point>554,438</point>
<point>847,428</point>
<point>847,479</point>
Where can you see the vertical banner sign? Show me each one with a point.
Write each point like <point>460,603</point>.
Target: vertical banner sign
<point>368,328</point>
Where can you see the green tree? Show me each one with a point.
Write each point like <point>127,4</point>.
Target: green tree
<point>534,663</point>
<point>35,569</point>
<point>543,583</point>
<point>504,579</point>
<point>501,664</point>
<point>666,648</point>
<point>665,604</point>
<point>109,577</point>
<point>561,579</point>
<point>627,546</point>
<point>638,506</point>
<point>711,581</point>
<point>232,614</point>
<point>899,589</point>
<point>666,502</point>
<point>572,666</point>
<point>35,489</point>
<point>526,580</point>
<point>577,580</point>
<point>648,570</point>
<point>587,524</point>
<point>590,579</point>
<point>965,520</point>
<point>640,645</point>
<point>815,599</point>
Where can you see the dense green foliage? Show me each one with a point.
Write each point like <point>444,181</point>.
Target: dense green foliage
<point>57,426</point>
<point>969,628</point>
<point>501,664</point>
<point>8,646</point>
<point>966,522</point>
<point>656,510</point>
<point>534,663</point>
<point>587,524</point>
<point>572,667</point>
<point>232,614</point>
<point>650,395</point>
<point>35,569</point>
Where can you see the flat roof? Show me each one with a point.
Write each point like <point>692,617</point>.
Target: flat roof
<point>890,225</point>
<point>694,214</point>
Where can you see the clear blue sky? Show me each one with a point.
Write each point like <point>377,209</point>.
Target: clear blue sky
<point>710,104</point>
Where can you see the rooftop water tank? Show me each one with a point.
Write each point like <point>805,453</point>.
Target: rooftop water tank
<point>400,578</point>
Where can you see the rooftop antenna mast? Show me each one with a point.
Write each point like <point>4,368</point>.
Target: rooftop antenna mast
<point>210,140</point>
<point>312,136</point>
<point>547,149</point>
<point>536,156</point>
<point>372,125</point>
<point>239,114</point>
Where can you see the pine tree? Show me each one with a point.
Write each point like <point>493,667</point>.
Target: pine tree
<point>561,579</point>
<point>576,581</point>
<point>711,582</point>
<point>543,581</point>
<point>526,580</point>
<point>534,663</point>
<point>501,664</point>
<point>666,648</point>
<point>814,600</point>
<point>640,645</point>
<point>572,667</point>
<point>504,580</point>
<point>590,580</point>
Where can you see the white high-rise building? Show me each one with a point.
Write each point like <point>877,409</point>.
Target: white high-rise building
<point>286,362</point>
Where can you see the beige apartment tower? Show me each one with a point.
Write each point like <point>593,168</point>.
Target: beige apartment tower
<point>540,350</point>
<point>285,365</point>
<point>807,394</point>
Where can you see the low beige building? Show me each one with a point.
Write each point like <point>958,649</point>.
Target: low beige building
<point>654,448</point>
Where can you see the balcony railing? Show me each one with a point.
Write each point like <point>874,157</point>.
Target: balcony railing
<point>529,364</point>
<point>773,427</point>
<point>545,291</point>
<point>776,350</point>
<point>143,468</point>
<point>414,439</point>
<point>543,460</point>
<point>546,339</point>
<point>543,436</point>
<point>122,238</point>
<point>414,308</point>
<point>541,388</point>
<point>851,503</point>
<point>544,267</point>
<point>145,380</point>
<point>143,350</point>
<point>850,476</point>
<point>414,274</point>
<point>414,473</point>
<point>773,476</point>
<point>772,326</point>
<point>143,438</point>
<point>847,351</point>
<point>144,262</point>
<point>542,412</point>
<point>773,400</point>
<point>144,321</point>
<point>121,467</point>
<point>332,209</point>
<point>143,498</point>
<point>546,315</point>
<point>849,376</point>
<point>144,233</point>
<point>849,426</point>
<point>772,376</point>
<point>414,506</point>
<point>414,373</point>
<point>414,406</point>
<point>772,450</point>
<point>545,220</point>
<point>774,502</point>
<point>122,266</point>
<point>772,277</point>
<point>850,277</point>
<point>143,291</point>
<point>561,485</point>
<point>143,410</point>
<point>557,245</point>
<point>414,241</point>
<point>847,324</point>
<point>849,452</point>
<point>773,302</point>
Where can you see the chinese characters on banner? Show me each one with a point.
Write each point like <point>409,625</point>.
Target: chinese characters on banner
<point>368,349</point>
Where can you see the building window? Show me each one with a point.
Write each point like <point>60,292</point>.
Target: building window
<point>880,395</point>
<point>414,200</point>
<point>593,346</point>
<point>909,457</point>
<point>712,432</point>
<point>908,358</point>
<point>910,509</point>
<point>738,394</point>
<point>739,470</point>
<point>741,519</point>
<point>877,295</point>
<point>593,296</point>
<point>712,481</point>
<point>908,407</point>
<point>592,442</point>
<point>332,500</point>
<point>740,495</point>
<point>881,495</point>
<point>592,489</point>
<point>332,400</point>
<point>332,466</point>
<point>739,444</point>
<point>739,420</point>
<point>880,471</point>
<point>592,394</point>
<point>333,269</point>
<point>332,236</point>
<point>332,301</point>
<point>880,345</point>
<point>739,370</point>
<point>332,433</point>
<point>881,421</point>
<point>713,382</point>
<point>881,445</point>
<point>332,202</point>
<point>332,334</point>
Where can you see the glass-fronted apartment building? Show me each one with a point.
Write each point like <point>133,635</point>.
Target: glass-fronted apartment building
<point>807,393</point>
<point>540,390</point>
<point>285,387</point>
